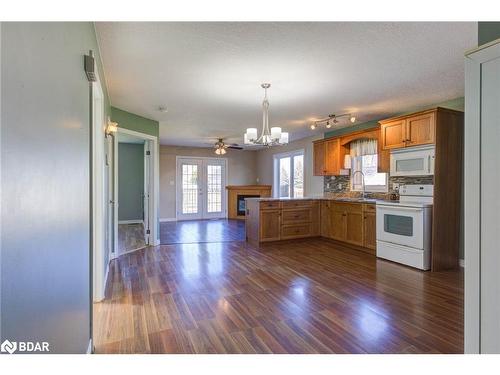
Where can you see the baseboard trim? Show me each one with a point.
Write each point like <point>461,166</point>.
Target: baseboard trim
<point>461,262</point>
<point>90,348</point>
<point>165,219</point>
<point>130,221</point>
<point>157,242</point>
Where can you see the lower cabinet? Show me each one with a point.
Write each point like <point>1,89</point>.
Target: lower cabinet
<point>369,228</point>
<point>352,223</point>
<point>338,222</point>
<point>270,225</point>
<point>325,220</point>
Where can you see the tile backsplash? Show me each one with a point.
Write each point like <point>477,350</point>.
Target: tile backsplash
<point>341,184</point>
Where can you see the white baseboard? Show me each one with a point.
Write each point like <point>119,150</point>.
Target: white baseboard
<point>461,262</point>
<point>163,220</point>
<point>130,222</point>
<point>156,242</point>
<point>89,348</point>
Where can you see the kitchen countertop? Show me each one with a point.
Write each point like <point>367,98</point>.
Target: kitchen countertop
<point>337,199</point>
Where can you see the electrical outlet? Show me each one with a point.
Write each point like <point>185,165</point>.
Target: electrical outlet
<point>339,186</point>
<point>395,186</point>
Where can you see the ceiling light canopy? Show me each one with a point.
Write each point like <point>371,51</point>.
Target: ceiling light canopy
<point>269,136</point>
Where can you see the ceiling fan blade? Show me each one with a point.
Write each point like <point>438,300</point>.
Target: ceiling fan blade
<point>235,147</point>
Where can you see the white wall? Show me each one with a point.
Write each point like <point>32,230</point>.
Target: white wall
<point>313,185</point>
<point>241,170</point>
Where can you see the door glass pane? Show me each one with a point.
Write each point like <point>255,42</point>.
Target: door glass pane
<point>410,165</point>
<point>189,188</point>
<point>214,188</point>
<point>284,177</point>
<point>398,224</point>
<point>298,176</point>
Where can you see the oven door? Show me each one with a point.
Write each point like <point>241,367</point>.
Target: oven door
<point>400,225</point>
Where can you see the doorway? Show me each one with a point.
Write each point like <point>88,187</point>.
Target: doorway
<point>201,188</point>
<point>135,190</point>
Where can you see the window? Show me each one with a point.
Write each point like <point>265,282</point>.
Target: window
<point>289,175</point>
<point>364,158</point>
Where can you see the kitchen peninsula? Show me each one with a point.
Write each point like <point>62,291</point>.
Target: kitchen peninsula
<point>347,220</point>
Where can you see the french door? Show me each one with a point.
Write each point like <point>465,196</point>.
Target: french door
<point>201,188</point>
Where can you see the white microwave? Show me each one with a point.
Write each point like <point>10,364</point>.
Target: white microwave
<point>415,161</point>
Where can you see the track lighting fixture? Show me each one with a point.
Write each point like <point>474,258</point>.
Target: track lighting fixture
<point>331,120</point>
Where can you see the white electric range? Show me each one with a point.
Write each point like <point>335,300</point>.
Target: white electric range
<point>404,227</point>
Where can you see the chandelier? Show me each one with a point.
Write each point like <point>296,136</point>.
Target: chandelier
<point>269,137</point>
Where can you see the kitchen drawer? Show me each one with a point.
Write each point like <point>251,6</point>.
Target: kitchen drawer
<point>353,207</point>
<point>346,207</point>
<point>296,204</point>
<point>369,208</point>
<point>303,215</point>
<point>269,205</point>
<point>295,231</point>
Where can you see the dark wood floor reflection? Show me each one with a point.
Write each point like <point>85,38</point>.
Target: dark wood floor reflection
<point>299,297</point>
<point>198,231</point>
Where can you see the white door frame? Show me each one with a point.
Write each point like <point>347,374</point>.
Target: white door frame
<point>98,192</point>
<point>478,228</point>
<point>154,183</point>
<point>178,193</point>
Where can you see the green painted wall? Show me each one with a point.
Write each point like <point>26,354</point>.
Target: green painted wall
<point>457,104</point>
<point>130,181</point>
<point>134,122</point>
<point>487,31</point>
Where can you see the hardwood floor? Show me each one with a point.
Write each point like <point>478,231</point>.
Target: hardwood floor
<point>305,296</point>
<point>198,231</point>
<point>130,237</point>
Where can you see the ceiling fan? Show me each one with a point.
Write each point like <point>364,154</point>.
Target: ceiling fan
<point>220,146</point>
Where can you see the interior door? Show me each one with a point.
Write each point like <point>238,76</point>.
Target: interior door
<point>201,188</point>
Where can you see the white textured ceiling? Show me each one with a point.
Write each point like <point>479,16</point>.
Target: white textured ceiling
<point>208,74</point>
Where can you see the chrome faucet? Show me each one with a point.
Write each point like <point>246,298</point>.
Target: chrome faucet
<point>362,180</point>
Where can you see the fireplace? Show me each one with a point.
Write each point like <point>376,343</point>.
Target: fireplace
<point>240,202</point>
<point>236,195</point>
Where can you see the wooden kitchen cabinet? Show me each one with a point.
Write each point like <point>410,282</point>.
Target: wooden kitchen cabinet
<point>328,157</point>
<point>338,222</point>
<point>354,224</point>
<point>326,218</point>
<point>319,158</point>
<point>369,227</point>
<point>421,129</point>
<point>393,134</point>
<point>408,131</point>
<point>270,225</point>
<point>275,219</point>
<point>288,219</point>
<point>347,223</point>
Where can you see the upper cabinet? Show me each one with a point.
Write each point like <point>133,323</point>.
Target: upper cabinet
<point>328,157</point>
<point>329,153</point>
<point>393,134</point>
<point>421,129</point>
<point>408,131</point>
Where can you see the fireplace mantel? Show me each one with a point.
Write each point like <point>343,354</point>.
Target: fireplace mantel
<point>234,190</point>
